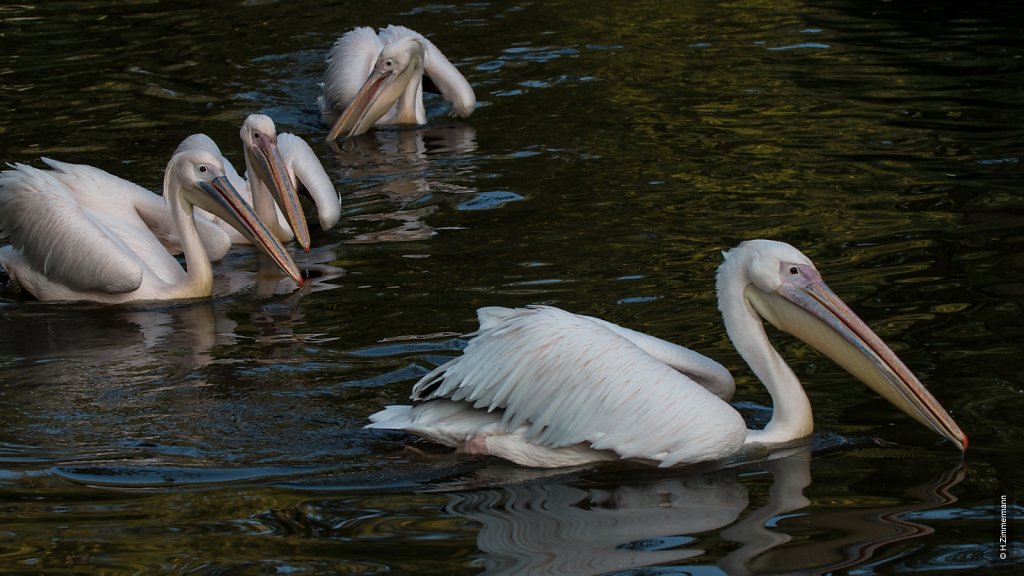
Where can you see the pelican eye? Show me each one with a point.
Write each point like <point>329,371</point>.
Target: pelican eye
<point>202,168</point>
<point>793,270</point>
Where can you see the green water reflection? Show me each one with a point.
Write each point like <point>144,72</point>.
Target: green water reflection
<point>618,148</point>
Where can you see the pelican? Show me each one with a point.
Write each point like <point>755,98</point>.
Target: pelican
<point>542,387</point>
<point>378,79</point>
<point>79,233</point>
<point>277,166</point>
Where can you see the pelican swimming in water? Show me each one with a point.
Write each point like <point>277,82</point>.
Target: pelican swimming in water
<point>277,167</point>
<point>377,79</point>
<point>79,233</point>
<point>542,387</point>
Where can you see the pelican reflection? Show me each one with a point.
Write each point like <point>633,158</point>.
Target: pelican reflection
<point>84,345</point>
<point>396,172</point>
<point>317,268</point>
<point>559,528</point>
<point>146,386</point>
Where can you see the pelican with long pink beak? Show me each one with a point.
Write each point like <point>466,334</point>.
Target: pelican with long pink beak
<point>543,387</point>
<point>378,79</point>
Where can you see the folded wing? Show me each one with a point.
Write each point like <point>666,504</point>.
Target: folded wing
<point>569,379</point>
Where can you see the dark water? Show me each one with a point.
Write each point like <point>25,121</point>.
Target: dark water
<point>617,149</point>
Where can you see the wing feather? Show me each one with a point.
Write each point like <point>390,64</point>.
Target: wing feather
<point>569,379</point>
<point>133,216</point>
<point>60,238</point>
<point>349,63</point>
<point>701,369</point>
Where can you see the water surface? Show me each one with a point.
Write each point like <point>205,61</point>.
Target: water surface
<point>617,149</point>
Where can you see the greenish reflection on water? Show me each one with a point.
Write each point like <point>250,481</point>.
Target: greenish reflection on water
<point>618,148</point>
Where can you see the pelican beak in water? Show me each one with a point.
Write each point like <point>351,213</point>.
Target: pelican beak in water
<point>806,307</point>
<point>223,200</point>
<point>265,158</point>
<point>399,69</point>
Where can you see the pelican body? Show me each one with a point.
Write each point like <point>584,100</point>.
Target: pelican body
<point>277,167</point>
<point>79,233</point>
<point>542,387</point>
<point>377,79</point>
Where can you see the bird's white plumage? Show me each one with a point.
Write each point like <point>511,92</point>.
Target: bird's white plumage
<point>542,387</point>
<point>349,62</point>
<point>98,190</point>
<point>308,173</point>
<point>304,170</point>
<point>703,370</point>
<point>571,380</point>
<point>56,231</point>
<point>354,56</point>
<point>203,142</point>
<point>453,85</point>
<point>77,232</point>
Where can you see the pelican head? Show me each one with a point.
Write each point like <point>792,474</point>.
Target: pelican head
<point>785,288</point>
<point>396,78</point>
<point>259,140</point>
<point>196,178</point>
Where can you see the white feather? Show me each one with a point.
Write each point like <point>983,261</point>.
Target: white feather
<point>303,169</point>
<point>79,233</point>
<point>57,231</point>
<point>452,84</point>
<point>349,62</point>
<point>568,380</point>
<point>308,173</point>
<point>353,57</point>
<point>542,387</point>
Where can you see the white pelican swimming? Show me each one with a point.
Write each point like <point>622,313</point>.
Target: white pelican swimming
<point>378,79</point>
<point>277,167</point>
<point>542,387</point>
<point>79,233</point>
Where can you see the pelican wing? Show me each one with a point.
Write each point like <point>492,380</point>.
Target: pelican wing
<point>698,367</point>
<point>60,238</point>
<point>349,63</point>
<point>453,85</point>
<point>135,216</point>
<point>305,168</point>
<point>569,380</point>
